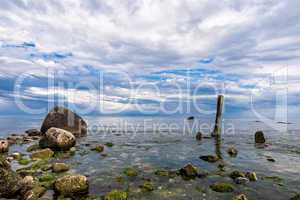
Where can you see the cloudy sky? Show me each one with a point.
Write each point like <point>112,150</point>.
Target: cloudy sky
<point>135,57</point>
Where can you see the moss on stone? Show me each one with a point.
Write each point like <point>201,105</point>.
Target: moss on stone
<point>24,161</point>
<point>222,187</point>
<point>130,172</point>
<point>116,195</point>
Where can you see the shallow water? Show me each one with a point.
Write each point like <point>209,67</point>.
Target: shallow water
<point>151,145</point>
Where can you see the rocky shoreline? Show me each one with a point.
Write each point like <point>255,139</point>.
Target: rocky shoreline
<point>58,139</point>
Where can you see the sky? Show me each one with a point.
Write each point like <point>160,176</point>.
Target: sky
<point>151,57</point>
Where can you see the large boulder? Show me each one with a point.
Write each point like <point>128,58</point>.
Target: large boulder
<point>10,182</point>
<point>71,185</point>
<point>63,118</point>
<point>58,139</point>
<point>4,146</point>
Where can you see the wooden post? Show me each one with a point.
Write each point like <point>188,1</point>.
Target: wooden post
<point>218,122</point>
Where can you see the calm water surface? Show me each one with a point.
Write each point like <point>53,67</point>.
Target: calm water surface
<point>149,144</point>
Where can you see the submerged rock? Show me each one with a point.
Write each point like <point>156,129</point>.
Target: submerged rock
<point>237,174</point>
<point>63,118</point>
<point>58,139</point>
<point>240,197</point>
<point>42,154</point>
<point>60,167</point>
<point>116,195</point>
<point>222,187</point>
<point>147,186</point>
<point>297,197</point>
<point>233,152</point>
<point>98,148</point>
<point>241,180</point>
<point>10,181</point>
<point>130,172</point>
<point>199,136</point>
<point>73,184</point>
<point>189,171</point>
<point>34,132</point>
<point>35,193</point>
<point>209,158</point>
<point>4,146</point>
<point>260,137</point>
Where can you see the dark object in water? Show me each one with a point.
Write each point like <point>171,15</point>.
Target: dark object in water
<point>189,171</point>
<point>33,132</point>
<point>191,118</point>
<point>209,158</point>
<point>64,118</point>
<point>199,136</point>
<point>284,123</point>
<point>218,122</point>
<point>259,137</point>
<point>233,152</point>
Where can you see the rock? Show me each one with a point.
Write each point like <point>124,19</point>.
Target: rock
<point>28,180</point>
<point>297,197</point>
<point>222,187</point>
<point>33,147</point>
<point>130,172</point>
<point>63,118</point>
<point>270,159</point>
<point>58,139</point>
<point>199,136</point>
<point>16,156</point>
<point>35,193</point>
<point>116,195</point>
<point>24,161</point>
<point>42,154</point>
<point>259,137</point>
<point>241,180</point>
<point>147,186</point>
<point>109,144</point>
<point>251,176</point>
<point>60,167</point>
<point>233,152</point>
<point>237,174</point>
<point>189,171</point>
<point>4,146</point>
<point>191,118</point>
<point>72,184</point>
<point>98,148</point>
<point>34,132</point>
<point>10,182</point>
<point>240,197</point>
<point>209,158</point>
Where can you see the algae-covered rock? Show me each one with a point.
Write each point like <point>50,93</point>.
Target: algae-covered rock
<point>116,195</point>
<point>209,158</point>
<point>130,172</point>
<point>109,144</point>
<point>10,181</point>
<point>64,118</point>
<point>297,197</point>
<point>24,161</point>
<point>42,154</point>
<point>240,197</point>
<point>35,193</point>
<point>58,139</point>
<point>251,176</point>
<point>237,174</point>
<point>71,184</point>
<point>162,173</point>
<point>222,187</point>
<point>33,147</point>
<point>4,146</point>
<point>16,155</point>
<point>189,171</point>
<point>147,186</point>
<point>60,167</point>
<point>98,148</point>
<point>259,137</point>
<point>233,152</point>
<point>33,132</point>
<point>241,180</point>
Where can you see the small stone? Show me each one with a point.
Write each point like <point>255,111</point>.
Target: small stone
<point>237,174</point>
<point>270,159</point>
<point>16,156</point>
<point>72,184</point>
<point>34,132</point>
<point>241,180</point>
<point>42,154</point>
<point>4,146</point>
<point>9,158</point>
<point>240,197</point>
<point>199,136</point>
<point>28,180</point>
<point>189,171</point>
<point>209,158</point>
<point>233,152</point>
<point>35,193</point>
<point>259,137</point>
<point>98,148</point>
<point>109,144</point>
<point>162,173</point>
<point>251,176</point>
<point>222,187</point>
<point>147,186</point>
<point>60,167</point>
<point>130,172</point>
<point>116,195</point>
<point>191,118</point>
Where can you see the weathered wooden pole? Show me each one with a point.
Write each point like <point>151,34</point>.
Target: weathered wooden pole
<point>218,122</point>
